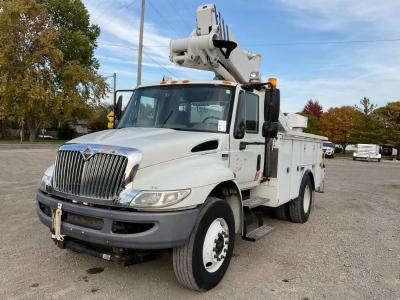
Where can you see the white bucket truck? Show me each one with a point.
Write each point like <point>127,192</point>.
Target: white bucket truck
<point>188,166</point>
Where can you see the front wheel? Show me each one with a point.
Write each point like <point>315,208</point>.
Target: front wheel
<point>202,261</point>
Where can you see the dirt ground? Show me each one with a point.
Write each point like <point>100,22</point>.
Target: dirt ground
<point>349,248</point>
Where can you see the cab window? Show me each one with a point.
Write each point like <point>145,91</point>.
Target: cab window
<point>247,113</point>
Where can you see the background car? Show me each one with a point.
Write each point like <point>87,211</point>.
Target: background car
<point>329,149</point>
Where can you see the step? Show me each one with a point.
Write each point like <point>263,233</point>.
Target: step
<point>254,202</point>
<point>258,233</point>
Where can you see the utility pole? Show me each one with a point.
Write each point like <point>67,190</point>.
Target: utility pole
<point>139,70</point>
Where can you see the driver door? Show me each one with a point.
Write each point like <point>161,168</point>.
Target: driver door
<point>246,161</point>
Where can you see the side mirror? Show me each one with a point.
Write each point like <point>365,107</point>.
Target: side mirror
<point>270,130</point>
<point>118,109</point>
<point>240,130</point>
<point>272,105</point>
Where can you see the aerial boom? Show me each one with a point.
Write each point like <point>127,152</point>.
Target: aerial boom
<point>212,47</point>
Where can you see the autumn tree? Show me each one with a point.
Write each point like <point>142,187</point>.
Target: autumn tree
<point>313,108</point>
<point>29,62</point>
<point>37,84</point>
<point>337,124</point>
<point>313,111</point>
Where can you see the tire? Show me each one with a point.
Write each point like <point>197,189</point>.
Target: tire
<point>282,212</point>
<point>215,220</point>
<point>379,160</point>
<point>354,158</point>
<point>300,208</point>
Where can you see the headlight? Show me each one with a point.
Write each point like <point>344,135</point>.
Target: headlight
<point>46,179</point>
<point>159,198</point>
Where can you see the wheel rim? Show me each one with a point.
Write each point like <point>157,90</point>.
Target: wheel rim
<point>215,245</point>
<point>306,199</point>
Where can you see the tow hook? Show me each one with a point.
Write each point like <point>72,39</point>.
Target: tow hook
<point>56,223</point>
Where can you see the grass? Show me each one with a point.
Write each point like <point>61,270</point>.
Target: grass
<point>37,141</point>
<point>348,153</point>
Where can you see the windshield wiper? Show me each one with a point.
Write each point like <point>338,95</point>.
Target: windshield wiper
<point>169,115</point>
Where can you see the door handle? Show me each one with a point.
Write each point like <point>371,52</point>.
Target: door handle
<point>243,145</point>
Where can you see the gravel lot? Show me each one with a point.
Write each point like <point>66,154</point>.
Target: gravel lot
<point>349,248</point>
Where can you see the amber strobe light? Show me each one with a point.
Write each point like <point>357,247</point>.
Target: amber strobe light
<point>272,81</point>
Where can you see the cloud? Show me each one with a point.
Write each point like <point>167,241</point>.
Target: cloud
<point>348,72</point>
<point>340,14</point>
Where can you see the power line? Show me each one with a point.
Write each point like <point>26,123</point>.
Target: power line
<point>161,66</point>
<point>129,5</point>
<point>165,19</point>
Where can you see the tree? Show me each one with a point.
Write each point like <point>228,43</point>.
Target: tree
<point>367,108</point>
<point>337,124</point>
<point>98,119</point>
<point>389,117</point>
<point>313,111</point>
<point>40,83</point>
<point>29,61</point>
<point>367,128</point>
<point>313,108</point>
<point>77,37</point>
<point>77,41</point>
<point>313,124</point>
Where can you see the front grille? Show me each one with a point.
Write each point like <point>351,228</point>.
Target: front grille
<point>99,177</point>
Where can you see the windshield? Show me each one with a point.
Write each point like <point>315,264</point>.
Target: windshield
<point>181,107</point>
<point>328,145</point>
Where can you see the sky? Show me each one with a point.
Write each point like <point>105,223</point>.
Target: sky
<point>335,52</point>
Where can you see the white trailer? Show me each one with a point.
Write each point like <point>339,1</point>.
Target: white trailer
<point>188,167</point>
<point>367,152</point>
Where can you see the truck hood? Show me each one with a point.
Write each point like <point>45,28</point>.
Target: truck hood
<point>156,144</point>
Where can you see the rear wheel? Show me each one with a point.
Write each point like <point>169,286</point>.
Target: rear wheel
<point>299,209</point>
<point>202,261</point>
